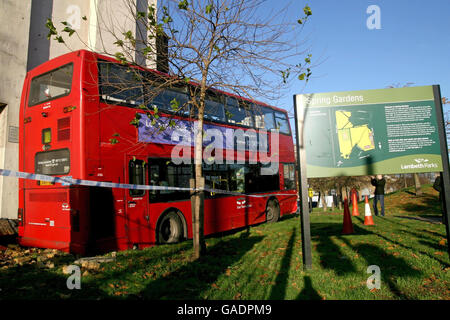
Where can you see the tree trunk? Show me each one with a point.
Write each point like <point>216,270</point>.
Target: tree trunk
<point>339,196</point>
<point>417,183</point>
<point>198,214</point>
<point>324,201</point>
<point>406,184</point>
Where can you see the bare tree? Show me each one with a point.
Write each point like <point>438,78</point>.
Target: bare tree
<point>323,185</point>
<point>447,121</point>
<point>240,46</point>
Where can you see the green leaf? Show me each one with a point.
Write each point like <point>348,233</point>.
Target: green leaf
<point>140,15</point>
<point>49,24</point>
<point>209,8</point>
<point>128,35</point>
<point>120,56</point>
<point>119,43</point>
<point>59,39</point>
<point>69,30</point>
<point>51,29</point>
<point>302,76</point>
<point>183,5</point>
<point>300,21</point>
<point>174,104</point>
<point>285,74</point>
<point>307,11</point>
<point>84,18</point>
<point>147,50</point>
<point>134,122</point>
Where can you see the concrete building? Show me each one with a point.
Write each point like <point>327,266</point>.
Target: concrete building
<point>24,45</point>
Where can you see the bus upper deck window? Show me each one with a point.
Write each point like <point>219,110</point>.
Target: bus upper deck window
<point>51,85</point>
<point>282,123</point>
<point>238,112</point>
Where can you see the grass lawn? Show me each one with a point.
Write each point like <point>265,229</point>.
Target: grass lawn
<point>265,262</point>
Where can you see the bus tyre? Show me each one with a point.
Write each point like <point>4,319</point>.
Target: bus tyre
<point>170,228</point>
<point>272,211</point>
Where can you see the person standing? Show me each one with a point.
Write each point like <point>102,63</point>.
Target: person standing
<point>379,182</point>
<point>437,185</point>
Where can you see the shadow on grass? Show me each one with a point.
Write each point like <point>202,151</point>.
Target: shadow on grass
<point>189,281</point>
<point>391,267</point>
<point>279,289</point>
<point>191,278</point>
<point>330,254</point>
<point>33,283</point>
<point>430,205</point>
<point>308,292</point>
<point>444,264</point>
<point>333,257</point>
<point>425,218</point>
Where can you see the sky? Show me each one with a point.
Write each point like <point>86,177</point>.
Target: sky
<point>411,46</point>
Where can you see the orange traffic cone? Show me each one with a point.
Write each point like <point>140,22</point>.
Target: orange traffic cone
<point>368,220</point>
<point>348,225</point>
<point>355,211</point>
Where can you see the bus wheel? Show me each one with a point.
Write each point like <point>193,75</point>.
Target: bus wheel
<point>170,228</point>
<point>272,211</point>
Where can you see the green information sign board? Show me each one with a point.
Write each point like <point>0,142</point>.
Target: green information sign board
<point>385,131</point>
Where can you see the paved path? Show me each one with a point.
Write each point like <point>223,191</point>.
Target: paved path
<point>430,219</point>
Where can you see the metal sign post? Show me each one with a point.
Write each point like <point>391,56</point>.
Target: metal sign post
<point>301,168</point>
<point>445,176</point>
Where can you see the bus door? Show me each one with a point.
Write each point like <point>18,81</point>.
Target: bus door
<point>137,203</point>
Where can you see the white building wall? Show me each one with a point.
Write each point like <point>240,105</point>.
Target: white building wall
<point>24,45</point>
<point>15,18</point>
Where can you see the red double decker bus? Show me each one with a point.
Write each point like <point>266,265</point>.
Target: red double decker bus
<point>75,122</point>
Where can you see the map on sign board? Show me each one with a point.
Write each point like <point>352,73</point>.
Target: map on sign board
<point>351,135</point>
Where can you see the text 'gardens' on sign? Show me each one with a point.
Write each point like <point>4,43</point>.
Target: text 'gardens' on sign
<point>367,132</point>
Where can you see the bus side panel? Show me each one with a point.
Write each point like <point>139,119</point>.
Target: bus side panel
<point>79,219</point>
<point>120,220</point>
<point>288,204</point>
<point>47,219</point>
